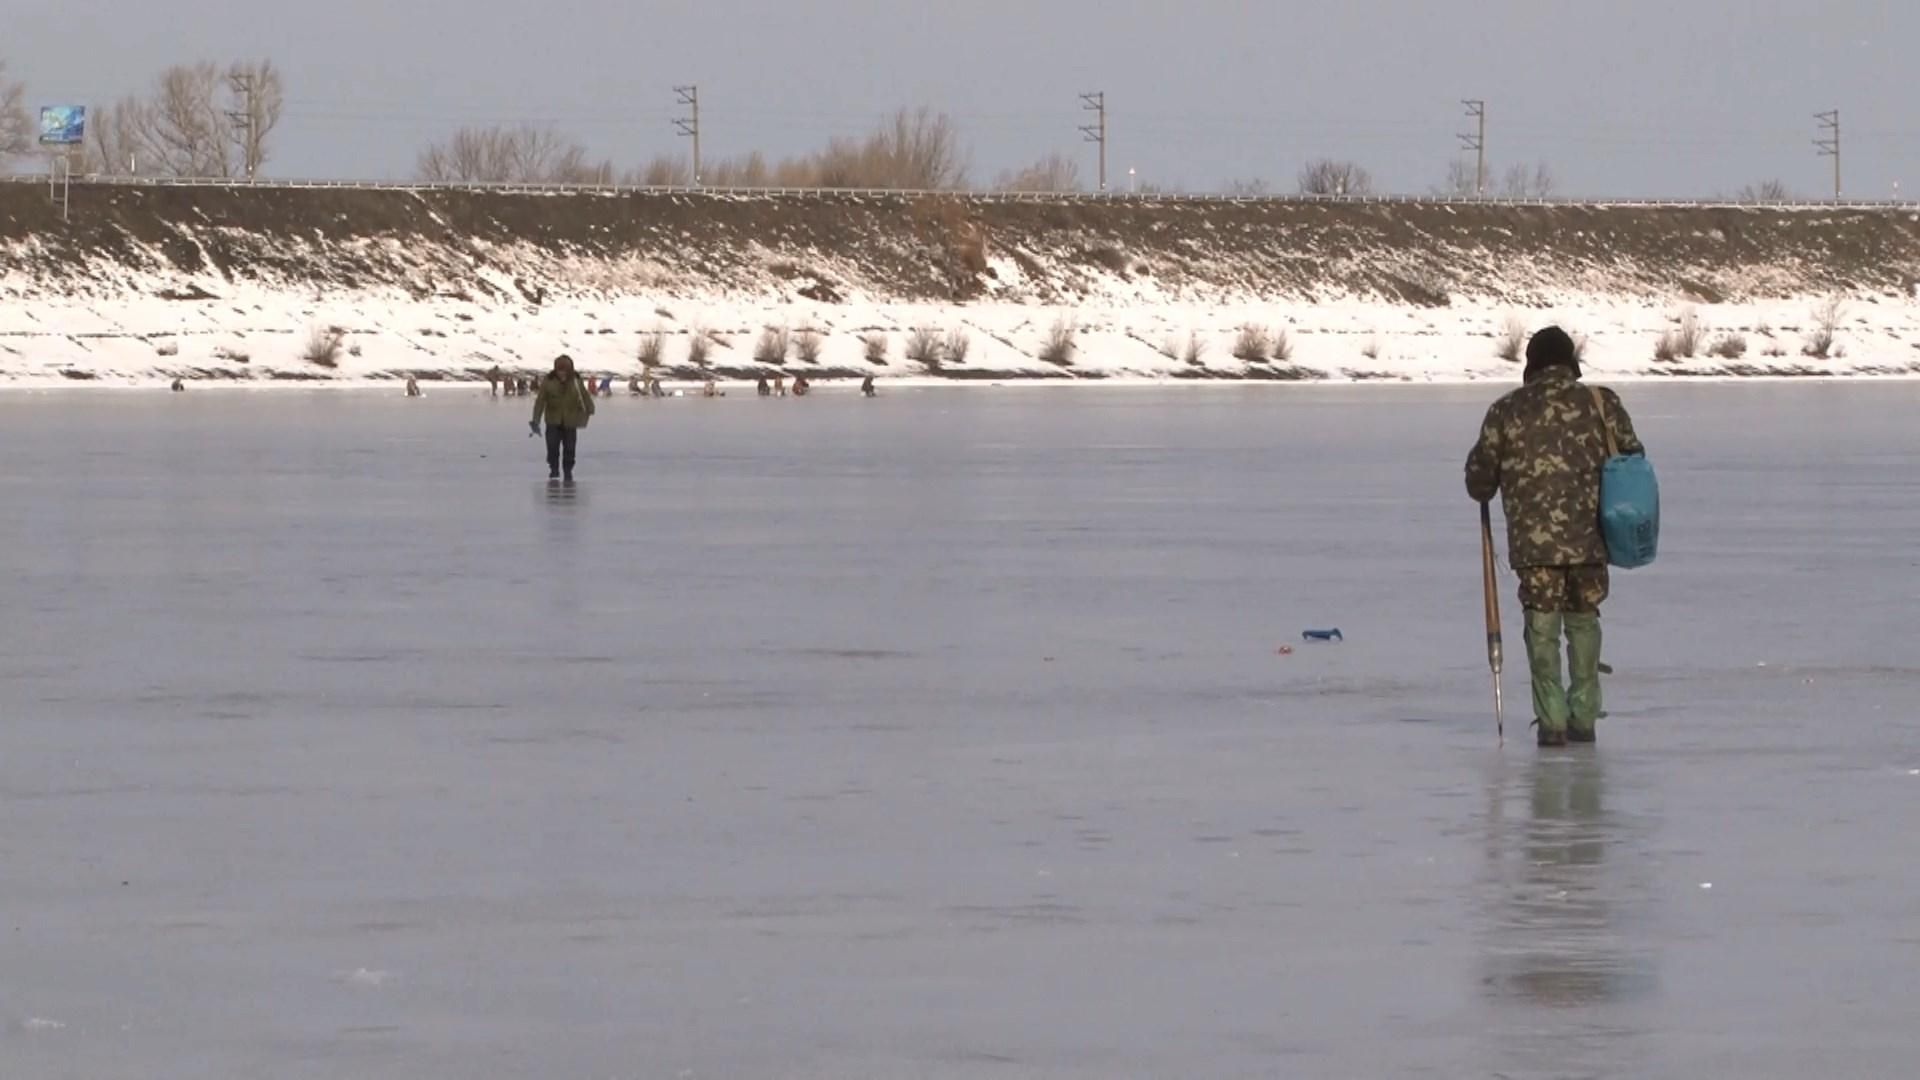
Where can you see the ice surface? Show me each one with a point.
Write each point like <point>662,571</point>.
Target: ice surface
<point>942,735</point>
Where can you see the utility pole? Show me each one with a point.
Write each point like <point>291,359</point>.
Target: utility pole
<point>689,125</point>
<point>1830,146</point>
<point>244,118</point>
<point>1097,133</point>
<point>1477,142</point>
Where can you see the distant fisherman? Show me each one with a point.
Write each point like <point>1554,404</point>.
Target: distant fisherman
<point>566,404</point>
<point>801,386</point>
<point>179,386</point>
<point>493,380</point>
<point>1540,449</point>
<point>866,387</point>
<point>633,386</point>
<point>762,388</point>
<point>413,387</point>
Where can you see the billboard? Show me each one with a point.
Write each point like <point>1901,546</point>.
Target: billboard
<point>63,125</point>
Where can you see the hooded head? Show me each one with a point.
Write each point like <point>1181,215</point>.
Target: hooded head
<point>563,366</point>
<point>1551,348</point>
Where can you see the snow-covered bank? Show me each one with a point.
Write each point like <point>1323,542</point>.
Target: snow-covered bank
<point>289,288</point>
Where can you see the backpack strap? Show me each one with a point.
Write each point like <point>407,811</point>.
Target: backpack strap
<point>1600,406</point>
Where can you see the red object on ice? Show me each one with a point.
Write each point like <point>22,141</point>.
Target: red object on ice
<point>1286,650</point>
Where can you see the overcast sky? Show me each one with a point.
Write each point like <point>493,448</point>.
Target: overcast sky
<point>1621,97</point>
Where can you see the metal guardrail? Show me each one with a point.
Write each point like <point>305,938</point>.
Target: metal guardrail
<point>977,196</point>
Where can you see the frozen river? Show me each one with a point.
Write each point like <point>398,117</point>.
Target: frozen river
<point>943,735</point>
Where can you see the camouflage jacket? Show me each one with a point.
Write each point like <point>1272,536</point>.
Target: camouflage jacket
<point>1540,448</point>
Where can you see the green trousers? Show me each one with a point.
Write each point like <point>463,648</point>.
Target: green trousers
<point>1573,707</point>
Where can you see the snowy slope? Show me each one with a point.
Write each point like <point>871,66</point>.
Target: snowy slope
<point>233,284</point>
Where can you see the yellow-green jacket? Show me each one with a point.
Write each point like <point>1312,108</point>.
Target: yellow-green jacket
<point>563,403</point>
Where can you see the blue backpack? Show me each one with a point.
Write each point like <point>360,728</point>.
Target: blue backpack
<point>1629,501</point>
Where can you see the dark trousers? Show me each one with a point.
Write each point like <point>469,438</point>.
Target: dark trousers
<point>561,439</point>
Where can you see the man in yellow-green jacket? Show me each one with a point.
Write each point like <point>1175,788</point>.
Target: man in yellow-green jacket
<point>565,403</point>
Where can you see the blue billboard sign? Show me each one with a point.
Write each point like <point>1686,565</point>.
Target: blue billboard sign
<point>63,125</point>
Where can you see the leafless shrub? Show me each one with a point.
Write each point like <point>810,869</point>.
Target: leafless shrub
<point>1195,353</point>
<point>1766,191</point>
<point>1282,348</point>
<point>167,347</point>
<point>923,347</point>
<point>1728,347</point>
<point>662,172</point>
<point>1689,335</point>
<point>772,346</point>
<point>1170,348</point>
<point>957,345</point>
<point>699,346</point>
<point>1329,177</point>
<point>807,345</point>
<point>875,346</point>
<point>1820,340</point>
<point>527,154</point>
<point>915,149</point>
<point>1511,344</point>
<point>1054,173</point>
<point>1253,344</point>
<point>1059,346</point>
<point>354,349</point>
<point>323,346</point>
<point>1774,349</point>
<point>1684,341</point>
<point>226,352</point>
<point>1371,350</point>
<point>653,346</point>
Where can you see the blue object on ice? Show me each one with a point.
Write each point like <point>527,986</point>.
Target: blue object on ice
<point>1629,501</point>
<point>1322,635</point>
<point>1629,510</point>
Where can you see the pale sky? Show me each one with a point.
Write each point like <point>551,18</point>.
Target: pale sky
<point>1621,97</point>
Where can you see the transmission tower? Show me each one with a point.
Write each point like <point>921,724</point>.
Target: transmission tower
<point>244,118</point>
<point>1096,102</point>
<point>689,125</point>
<point>1830,145</point>
<point>1477,142</point>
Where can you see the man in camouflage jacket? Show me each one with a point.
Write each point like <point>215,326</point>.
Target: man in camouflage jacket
<point>1540,449</point>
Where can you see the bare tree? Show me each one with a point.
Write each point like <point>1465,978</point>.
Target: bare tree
<point>181,129</point>
<point>510,155</point>
<point>1248,189</point>
<point>1462,181</point>
<point>1518,182</point>
<point>1329,177</point>
<point>16,126</point>
<point>258,97</point>
<point>1053,173</point>
<point>1766,191</point>
<point>196,121</point>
